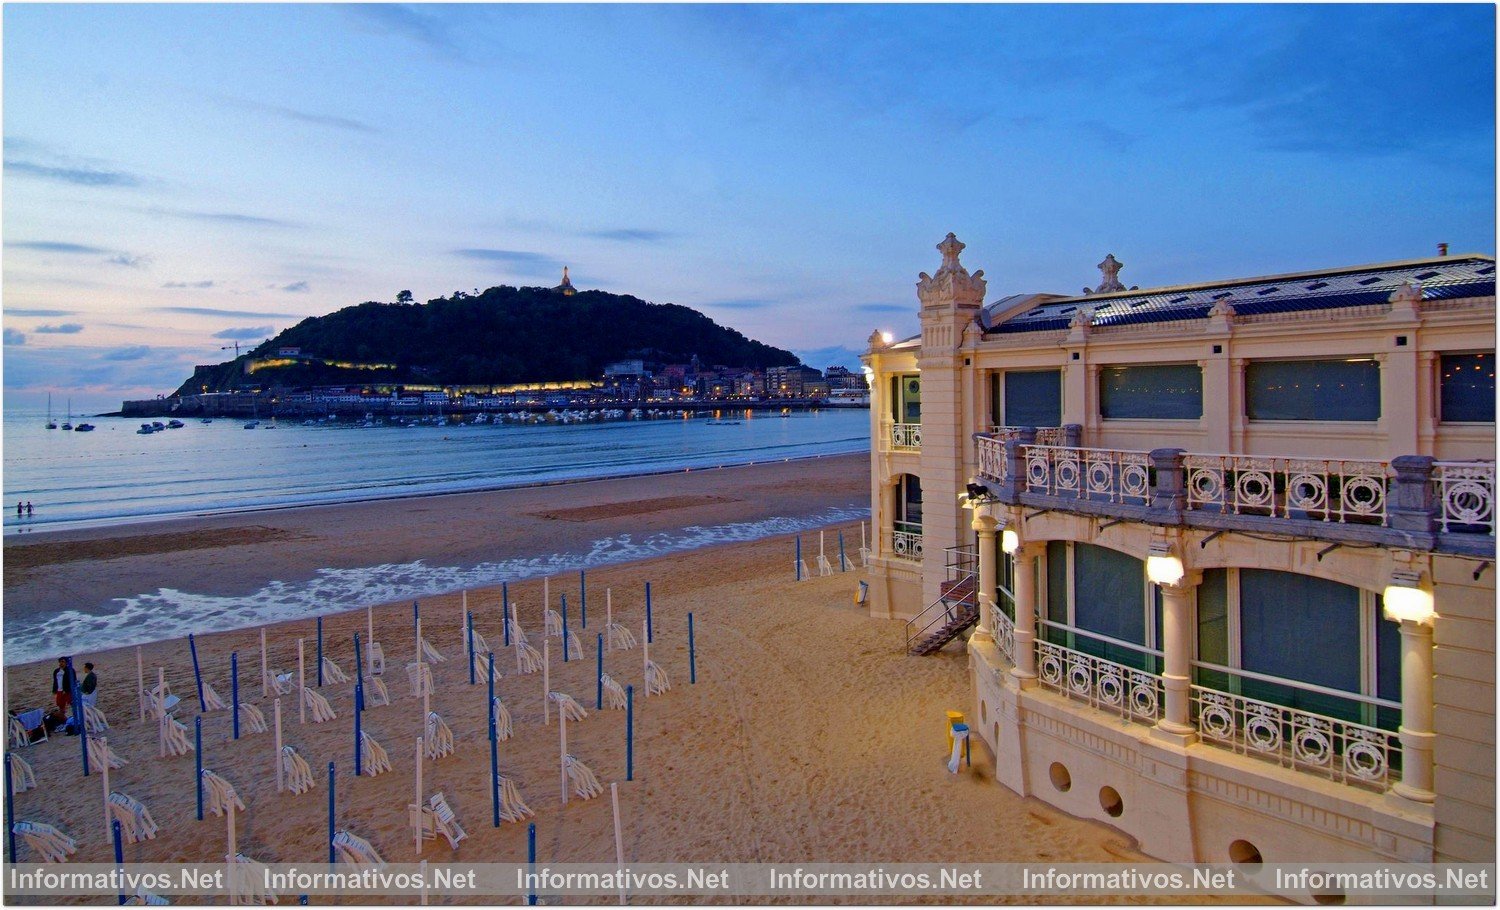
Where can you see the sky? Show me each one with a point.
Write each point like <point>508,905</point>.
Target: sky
<point>180,177</point>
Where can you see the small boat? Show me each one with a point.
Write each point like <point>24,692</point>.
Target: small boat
<point>158,425</point>
<point>723,423</point>
<point>68,424</point>
<point>252,424</point>
<point>206,420</point>
<point>145,430</point>
<point>84,428</point>
<point>51,424</point>
<point>175,424</point>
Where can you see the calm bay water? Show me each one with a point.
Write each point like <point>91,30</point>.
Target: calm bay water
<point>115,475</point>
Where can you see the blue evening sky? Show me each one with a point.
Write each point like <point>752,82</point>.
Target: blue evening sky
<point>181,176</point>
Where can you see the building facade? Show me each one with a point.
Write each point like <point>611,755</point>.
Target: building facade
<point>1222,554</point>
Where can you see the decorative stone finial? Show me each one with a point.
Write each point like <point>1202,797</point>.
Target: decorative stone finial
<point>566,288</point>
<point>1224,306</point>
<point>1110,267</point>
<point>1407,293</point>
<point>1083,317</point>
<point>877,340</point>
<point>952,284</point>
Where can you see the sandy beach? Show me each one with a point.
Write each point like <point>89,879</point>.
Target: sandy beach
<point>809,736</point>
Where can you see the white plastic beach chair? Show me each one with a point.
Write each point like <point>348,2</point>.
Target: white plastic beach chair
<point>20,738</point>
<point>552,622</point>
<point>420,677</point>
<point>299,777</point>
<point>144,898</point>
<point>220,794</point>
<point>618,638</point>
<point>212,700</point>
<point>158,703</point>
<point>585,784</point>
<point>528,659</point>
<point>332,673</point>
<point>431,653</point>
<point>483,664</point>
<point>321,710</point>
<point>447,822</point>
<point>94,720</point>
<point>656,679</point>
<point>438,737</point>
<point>567,706</point>
<point>21,776</point>
<point>503,727</point>
<point>247,883</point>
<point>100,754</point>
<point>136,823</point>
<point>251,717</point>
<point>575,648</point>
<point>517,634</point>
<point>614,696</point>
<point>48,843</point>
<point>375,665</point>
<point>279,683</point>
<point>480,645</point>
<point>376,694</point>
<point>512,807</point>
<point>356,851</point>
<point>174,736</point>
<point>372,755</point>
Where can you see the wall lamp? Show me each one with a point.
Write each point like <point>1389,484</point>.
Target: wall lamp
<point>1010,541</point>
<point>1162,565</point>
<point>1406,600</point>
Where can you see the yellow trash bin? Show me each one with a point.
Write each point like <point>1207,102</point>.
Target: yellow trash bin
<point>954,717</point>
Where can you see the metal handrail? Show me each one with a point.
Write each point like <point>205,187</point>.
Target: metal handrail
<point>1295,684</point>
<point>946,615</point>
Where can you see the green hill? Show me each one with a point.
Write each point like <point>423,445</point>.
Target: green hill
<point>504,335</point>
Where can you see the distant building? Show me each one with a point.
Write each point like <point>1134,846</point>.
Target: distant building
<point>845,378</point>
<point>566,288</point>
<point>790,382</point>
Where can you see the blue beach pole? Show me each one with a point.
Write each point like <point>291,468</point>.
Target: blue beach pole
<point>649,629</point>
<point>416,623</point>
<point>583,598</point>
<point>470,619</point>
<point>692,654</point>
<point>320,652</point>
<point>197,676</point>
<point>198,761</point>
<point>332,857</point>
<point>83,730</point>
<point>10,814</point>
<point>489,705</point>
<point>531,859</point>
<point>359,667</point>
<point>630,732</point>
<point>565,627</point>
<point>505,611</point>
<point>358,703</point>
<point>234,691</point>
<point>843,563</point>
<point>114,833</point>
<point>797,566</point>
<point>599,674</point>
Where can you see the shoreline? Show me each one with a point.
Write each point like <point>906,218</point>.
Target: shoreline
<point>126,521</point>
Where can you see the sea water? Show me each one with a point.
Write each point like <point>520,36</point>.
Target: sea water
<point>115,475</point>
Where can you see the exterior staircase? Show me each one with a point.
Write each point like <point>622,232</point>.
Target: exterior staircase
<point>955,611</point>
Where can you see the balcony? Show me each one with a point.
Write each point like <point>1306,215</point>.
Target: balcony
<point>906,541</point>
<point>1411,502</point>
<point>905,437</point>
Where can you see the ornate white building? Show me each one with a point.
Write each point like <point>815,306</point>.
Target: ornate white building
<point>1223,553</point>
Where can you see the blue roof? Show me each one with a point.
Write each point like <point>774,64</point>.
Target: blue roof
<point>1442,278</point>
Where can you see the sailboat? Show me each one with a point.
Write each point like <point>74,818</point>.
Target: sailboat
<point>51,424</point>
<point>69,424</point>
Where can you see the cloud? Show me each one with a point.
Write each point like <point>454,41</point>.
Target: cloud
<point>14,337</point>
<point>885,307</point>
<point>57,246</point>
<point>335,121</point>
<point>223,217</point>
<point>632,235</point>
<point>520,262</point>
<point>134,352</point>
<point>88,373</point>
<point>78,176</point>
<point>296,287</point>
<point>18,311</point>
<point>406,21</point>
<point>66,328</point>
<point>201,285</point>
<point>214,311</point>
<point>823,358</point>
<point>129,260</point>
<point>245,334</point>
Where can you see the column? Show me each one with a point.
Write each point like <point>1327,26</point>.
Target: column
<point>1416,713</point>
<point>1025,641</point>
<point>1177,656</point>
<point>985,594</point>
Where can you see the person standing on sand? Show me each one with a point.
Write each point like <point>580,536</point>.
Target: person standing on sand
<point>62,685</point>
<point>89,685</point>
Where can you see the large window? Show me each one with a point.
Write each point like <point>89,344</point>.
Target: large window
<point>906,398</point>
<point>1030,398</point>
<point>1102,598</point>
<point>1467,387</point>
<point>1157,391</point>
<point>1313,389</point>
<point>909,503</point>
<point>1299,628</point>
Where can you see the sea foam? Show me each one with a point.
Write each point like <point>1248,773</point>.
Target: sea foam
<point>169,613</point>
